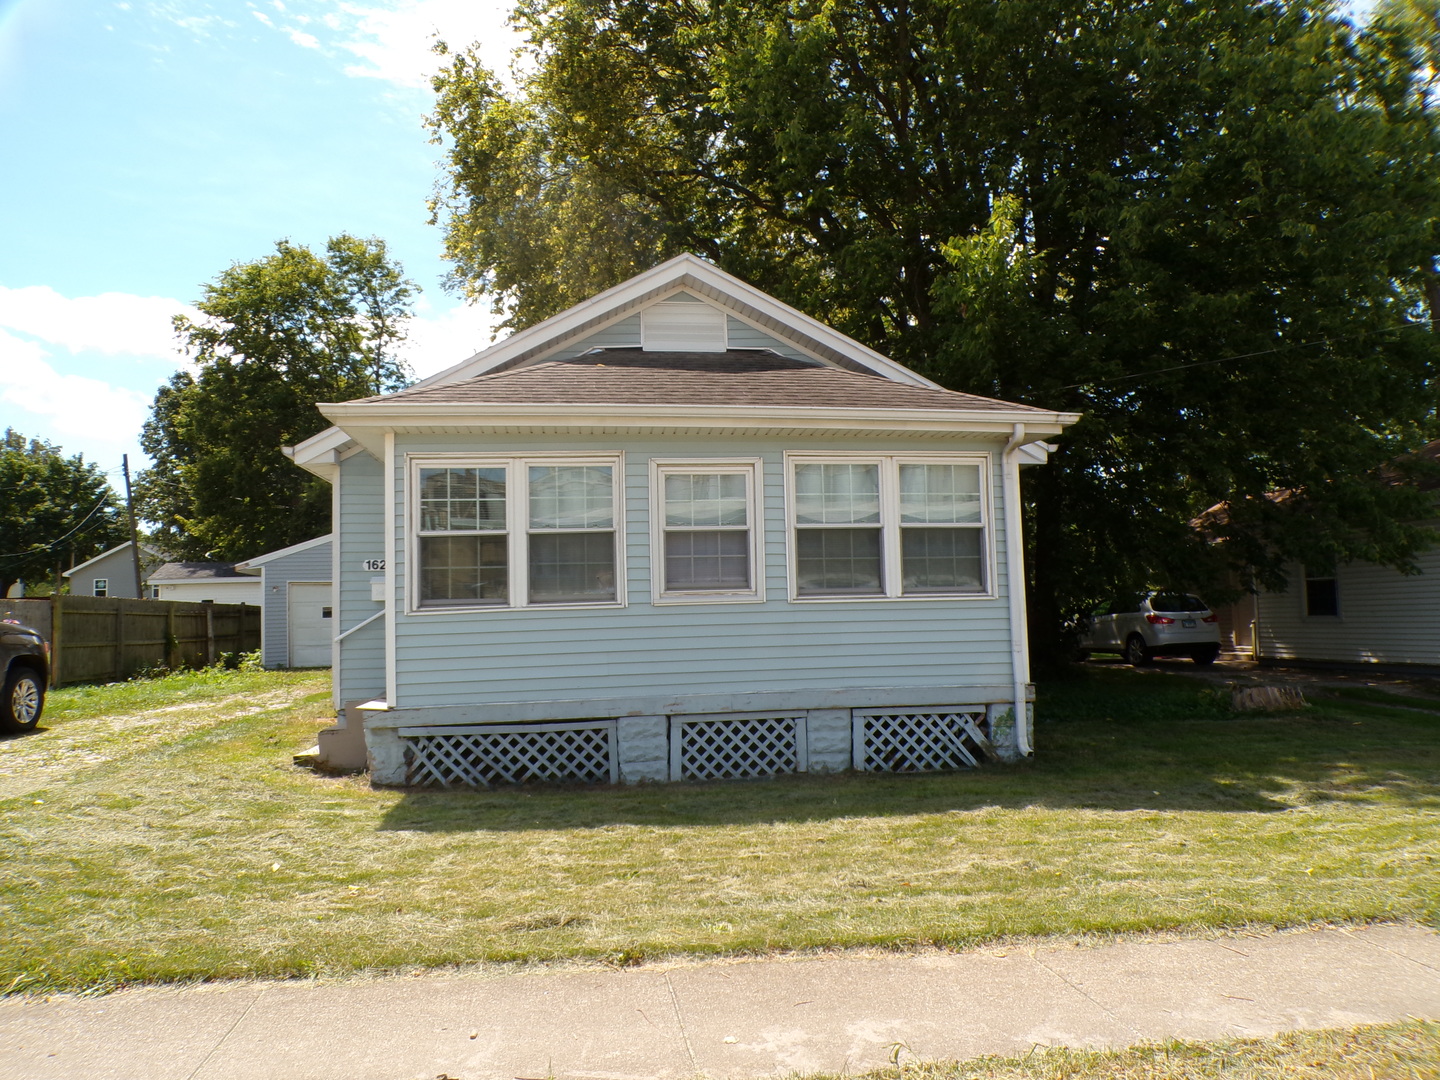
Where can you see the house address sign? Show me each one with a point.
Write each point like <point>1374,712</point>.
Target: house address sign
<point>373,564</point>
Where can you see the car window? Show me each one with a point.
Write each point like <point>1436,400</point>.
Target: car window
<point>1103,609</point>
<point>1170,601</point>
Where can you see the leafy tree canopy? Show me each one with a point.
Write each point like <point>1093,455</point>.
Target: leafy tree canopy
<point>278,335</point>
<point>1210,229</point>
<point>56,511</point>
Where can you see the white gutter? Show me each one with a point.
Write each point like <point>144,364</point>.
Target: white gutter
<point>1015,575</point>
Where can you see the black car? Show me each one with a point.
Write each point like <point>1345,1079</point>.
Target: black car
<point>25,656</point>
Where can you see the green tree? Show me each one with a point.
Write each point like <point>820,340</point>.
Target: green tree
<point>54,511</point>
<point>1190,223</point>
<point>278,335</point>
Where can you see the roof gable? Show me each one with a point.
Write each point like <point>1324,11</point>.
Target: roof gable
<point>683,277</point>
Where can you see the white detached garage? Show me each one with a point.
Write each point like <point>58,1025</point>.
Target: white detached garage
<point>297,611</point>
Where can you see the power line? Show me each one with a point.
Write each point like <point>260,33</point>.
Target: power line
<point>53,544</point>
<point>1247,356</point>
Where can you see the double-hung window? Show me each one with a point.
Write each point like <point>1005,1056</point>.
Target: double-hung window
<point>889,526</point>
<point>515,532</point>
<point>705,532</point>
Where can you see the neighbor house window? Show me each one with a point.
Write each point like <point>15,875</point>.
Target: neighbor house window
<point>705,531</point>
<point>889,527</point>
<point>515,532</point>
<point>1322,596</point>
<point>102,586</point>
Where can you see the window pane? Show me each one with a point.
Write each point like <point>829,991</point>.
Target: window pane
<point>572,567</point>
<point>941,561</point>
<point>837,561</point>
<point>701,499</point>
<point>571,497</point>
<point>461,499</point>
<point>940,493</point>
<point>837,494</point>
<point>1321,597</point>
<point>707,560</point>
<point>463,570</point>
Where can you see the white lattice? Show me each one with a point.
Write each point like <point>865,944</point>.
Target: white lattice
<point>915,741</point>
<point>734,747</point>
<point>512,754</point>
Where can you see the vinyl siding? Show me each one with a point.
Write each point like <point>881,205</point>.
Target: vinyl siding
<point>625,334</point>
<point>311,565</point>
<point>359,535</point>
<point>605,654</point>
<point>1385,617</point>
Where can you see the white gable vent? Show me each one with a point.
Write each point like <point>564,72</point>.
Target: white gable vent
<point>682,327</point>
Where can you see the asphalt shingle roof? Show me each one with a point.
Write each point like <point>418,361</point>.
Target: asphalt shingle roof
<point>738,377</point>
<point>194,571</point>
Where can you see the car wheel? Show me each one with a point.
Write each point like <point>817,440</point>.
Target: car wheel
<point>22,701</point>
<point>1135,653</point>
<point>1206,656</point>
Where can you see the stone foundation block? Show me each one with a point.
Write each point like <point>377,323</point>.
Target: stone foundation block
<point>828,738</point>
<point>386,755</point>
<point>643,746</point>
<point>1002,729</point>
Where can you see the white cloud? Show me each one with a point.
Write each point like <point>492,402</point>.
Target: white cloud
<point>442,340</point>
<point>393,40</point>
<point>112,323</point>
<point>79,414</point>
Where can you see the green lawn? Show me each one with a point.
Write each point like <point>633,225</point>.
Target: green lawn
<point>157,831</point>
<point>1407,1051</point>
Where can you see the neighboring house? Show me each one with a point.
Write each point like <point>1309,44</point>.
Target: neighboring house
<point>1353,613</point>
<point>297,624</point>
<point>112,573</point>
<point>681,530</point>
<point>205,582</point>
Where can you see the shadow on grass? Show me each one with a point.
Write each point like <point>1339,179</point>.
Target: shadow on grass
<point>1107,740</point>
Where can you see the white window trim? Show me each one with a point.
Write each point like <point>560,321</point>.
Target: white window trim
<point>753,468</point>
<point>95,586</point>
<point>890,523</point>
<point>517,526</point>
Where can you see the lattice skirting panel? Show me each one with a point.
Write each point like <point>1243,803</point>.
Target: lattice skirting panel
<point>736,745</point>
<point>896,740</point>
<point>484,756</point>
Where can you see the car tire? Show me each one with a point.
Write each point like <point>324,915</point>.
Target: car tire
<point>22,701</point>
<point>1136,654</point>
<point>1206,656</point>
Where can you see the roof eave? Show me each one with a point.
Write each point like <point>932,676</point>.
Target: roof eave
<point>354,417</point>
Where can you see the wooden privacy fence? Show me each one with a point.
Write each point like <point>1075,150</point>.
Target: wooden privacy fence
<point>107,638</point>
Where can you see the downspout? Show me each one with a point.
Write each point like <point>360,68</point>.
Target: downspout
<point>1015,575</point>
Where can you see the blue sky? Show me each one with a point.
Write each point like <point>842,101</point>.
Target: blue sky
<point>151,143</point>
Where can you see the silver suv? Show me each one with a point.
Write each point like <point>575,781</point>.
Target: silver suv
<point>1158,624</point>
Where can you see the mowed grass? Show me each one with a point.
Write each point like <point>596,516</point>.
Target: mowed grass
<point>1407,1051</point>
<point>158,831</point>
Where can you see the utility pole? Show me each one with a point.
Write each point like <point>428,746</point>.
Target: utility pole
<point>134,536</point>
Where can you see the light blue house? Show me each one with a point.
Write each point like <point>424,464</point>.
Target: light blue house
<point>296,604</point>
<point>679,531</point>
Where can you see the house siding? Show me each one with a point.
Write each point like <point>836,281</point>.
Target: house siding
<point>359,673</point>
<point>118,568</point>
<point>607,656</point>
<point>313,564</point>
<point>625,334</point>
<point>1385,617</point>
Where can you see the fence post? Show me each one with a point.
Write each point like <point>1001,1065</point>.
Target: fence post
<point>119,643</point>
<point>209,635</point>
<point>55,609</point>
<point>172,646</point>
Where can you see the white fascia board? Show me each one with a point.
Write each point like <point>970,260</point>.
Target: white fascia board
<point>293,549</point>
<point>320,454</point>
<point>364,421</point>
<point>675,272</point>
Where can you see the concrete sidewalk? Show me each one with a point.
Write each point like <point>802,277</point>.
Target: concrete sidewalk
<point>731,1018</point>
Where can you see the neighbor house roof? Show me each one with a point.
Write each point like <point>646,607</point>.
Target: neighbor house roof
<point>744,377</point>
<point>194,571</point>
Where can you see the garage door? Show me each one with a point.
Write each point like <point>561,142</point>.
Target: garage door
<point>310,623</point>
